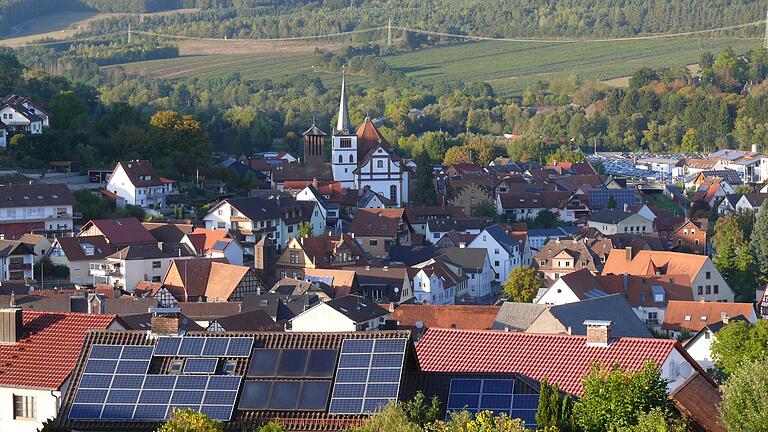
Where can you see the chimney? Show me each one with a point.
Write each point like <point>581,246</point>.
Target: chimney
<point>314,182</point>
<point>628,253</point>
<point>598,333</point>
<point>11,325</point>
<point>165,321</point>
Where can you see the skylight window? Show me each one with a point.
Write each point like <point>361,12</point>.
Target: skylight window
<point>687,318</point>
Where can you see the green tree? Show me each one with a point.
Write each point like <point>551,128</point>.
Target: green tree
<point>190,421</point>
<point>421,412</point>
<point>10,71</point>
<point>69,112</point>
<point>180,144</point>
<point>727,232</point>
<point>745,398</point>
<point>688,143</point>
<point>523,284</point>
<point>555,410</point>
<point>613,398</point>
<point>544,219</point>
<point>564,154</point>
<point>656,420</point>
<point>424,193</point>
<point>759,242</point>
<point>305,229</point>
<point>457,155</point>
<point>738,343</point>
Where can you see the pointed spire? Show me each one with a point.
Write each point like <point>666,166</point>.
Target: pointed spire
<point>343,123</point>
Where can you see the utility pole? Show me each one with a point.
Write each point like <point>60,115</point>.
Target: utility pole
<point>389,34</point>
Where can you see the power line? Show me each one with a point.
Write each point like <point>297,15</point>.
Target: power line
<point>285,39</point>
<point>389,28</point>
<point>572,40</point>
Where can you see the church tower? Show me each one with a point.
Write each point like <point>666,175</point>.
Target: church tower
<point>314,141</point>
<point>344,145</point>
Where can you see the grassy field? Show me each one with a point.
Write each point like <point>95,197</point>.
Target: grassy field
<point>509,67</point>
<point>61,25</point>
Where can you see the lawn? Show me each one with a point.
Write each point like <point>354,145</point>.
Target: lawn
<point>663,202</point>
<point>509,67</point>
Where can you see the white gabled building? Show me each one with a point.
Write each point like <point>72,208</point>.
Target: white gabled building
<point>19,115</point>
<point>348,313</point>
<point>35,208</point>
<point>137,182</point>
<point>363,159</point>
<point>276,217</point>
<point>503,252</point>
<point>435,282</point>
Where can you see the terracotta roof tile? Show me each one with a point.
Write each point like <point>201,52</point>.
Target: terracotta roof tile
<point>46,357</point>
<point>702,314</point>
<point>562,359</point>
<point>125,231</point>
<point>446,316</point>
<point>377,222</point>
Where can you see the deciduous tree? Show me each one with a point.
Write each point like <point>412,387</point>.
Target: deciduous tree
<point>523,284</point>
<point>745,398</point>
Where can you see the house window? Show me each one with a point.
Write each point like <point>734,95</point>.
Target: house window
<point>380,164</point>
<point>220,212</point>
<point>708,275</point>
<point>696,242</point>
<point>290,228</point>
<point>706,335</point>
<point>156,279</point>
<point>373,242</point>
<point>716,289</point>
<point>693,232</point>
<point>155,264</point>
<point>583,263</point>
<point>341,159</point>
<point>701,290</point>
<point>542,263</point>
<point>220,225</point>
<point>393,193</point>
<point>294,258</point>
<point>351,160</point>
<point>709,289</point>
<point>23,407</point>
<point>496,251</point>
<point>496,263</point>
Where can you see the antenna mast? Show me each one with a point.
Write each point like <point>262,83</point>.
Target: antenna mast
<point>765,42</point>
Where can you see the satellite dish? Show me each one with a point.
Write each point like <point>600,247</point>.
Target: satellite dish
<point>684,370</point>
<point>419,325</point>
<point>397,290</point>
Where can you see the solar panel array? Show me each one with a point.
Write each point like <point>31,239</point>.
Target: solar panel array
<point>115,386</point>
<point>368,375</point>
<point>497,395</point>
<point>292,363</point>
<point>298,395</point>
<point>203,347</point>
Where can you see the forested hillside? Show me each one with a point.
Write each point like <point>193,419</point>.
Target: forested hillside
<point>534,18</point>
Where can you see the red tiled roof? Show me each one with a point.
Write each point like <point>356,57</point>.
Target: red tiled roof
<point>701,314</point>
<point>125,231</point>
<point>698,398</point>
<point>562,359</point>
<point>45,357</point>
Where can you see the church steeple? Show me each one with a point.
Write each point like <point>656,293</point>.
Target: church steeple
<point>343,124</point>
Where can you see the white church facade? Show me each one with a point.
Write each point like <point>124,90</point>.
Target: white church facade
<point>362,158</point>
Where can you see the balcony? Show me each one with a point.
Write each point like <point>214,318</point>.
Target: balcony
<point>19,266</point>
<point>104,270</point>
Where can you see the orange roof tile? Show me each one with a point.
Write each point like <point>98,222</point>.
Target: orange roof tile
<point>649,263</point>
<point>446,316</point>
<point>702,314</point>
<point>45,357</point>
<point>562,359</point>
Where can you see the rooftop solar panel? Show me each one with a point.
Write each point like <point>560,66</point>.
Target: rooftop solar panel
<point>167,346</point>
<point>496,395</point>
<point>263,363</point>
<point>322,363</point>
<point>200,365</point>
<point>119,387</point>
<point>293,363</point>
<point>105,352</point>
<point>191,346</point>
<point>255,395</point>
<point>239,347</point>
<point>368,374</point>
<point>216,346</point>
